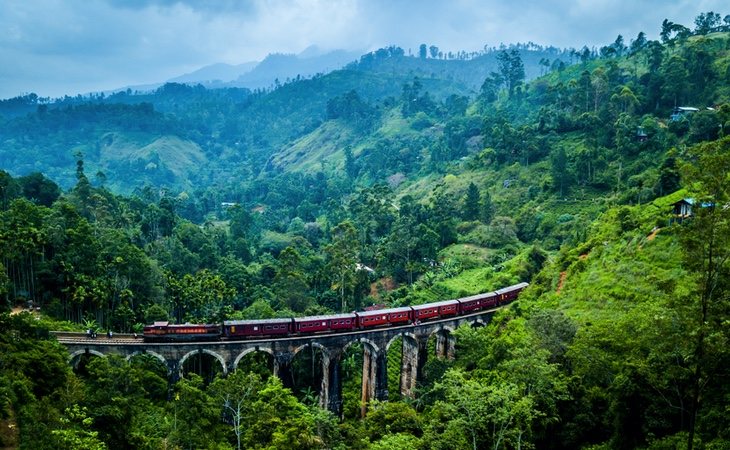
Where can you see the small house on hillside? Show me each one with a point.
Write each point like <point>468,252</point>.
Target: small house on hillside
<point>683,209</point>
<point>681,111</point>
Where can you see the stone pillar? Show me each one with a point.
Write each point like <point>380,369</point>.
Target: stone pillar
<point>174,370</point>
<point>409,367</point>
<point>282,368</point>
<point>441,339</point>
<point>422,358</point>
<point>173,376</point>
<point>445,345</point>
<point>369,366</point>
<point>451,347</point>
<point>381,376</point>
<point>330,393</point>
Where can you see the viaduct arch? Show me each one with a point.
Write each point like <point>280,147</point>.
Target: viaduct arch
<point>375,342</point>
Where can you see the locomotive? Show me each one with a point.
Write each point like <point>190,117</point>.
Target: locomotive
<point>302,326</point>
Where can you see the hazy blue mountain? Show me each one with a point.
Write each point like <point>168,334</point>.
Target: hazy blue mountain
<point>215,72</point>
<point>281,67</point>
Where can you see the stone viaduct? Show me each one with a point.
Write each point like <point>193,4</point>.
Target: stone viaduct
<point>375,343</point>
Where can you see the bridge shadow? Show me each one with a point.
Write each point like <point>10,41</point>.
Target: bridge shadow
<point>203,364</point>
<point>351,370</point>
<point>306,373</point>
<point>259,362</point>
<point>80,362</point>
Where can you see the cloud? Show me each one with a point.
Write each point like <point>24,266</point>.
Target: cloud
<point>56,47</point>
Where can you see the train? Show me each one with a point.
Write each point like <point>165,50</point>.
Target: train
<point>354,321</point>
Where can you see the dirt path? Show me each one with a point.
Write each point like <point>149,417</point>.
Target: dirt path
<point>563,274</point>
<point>653,234</point>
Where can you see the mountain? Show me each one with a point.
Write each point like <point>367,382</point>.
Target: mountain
<point>275,68</point>
<point>219,72</point>
<point>283,67</point>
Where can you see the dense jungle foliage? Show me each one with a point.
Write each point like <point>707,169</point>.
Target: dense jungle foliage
<point>374,186</point>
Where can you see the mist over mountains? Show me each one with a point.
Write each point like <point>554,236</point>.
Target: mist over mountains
<point>275,68</point>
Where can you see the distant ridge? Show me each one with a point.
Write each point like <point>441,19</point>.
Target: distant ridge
<point>264,74</point>
<point>215,72</point>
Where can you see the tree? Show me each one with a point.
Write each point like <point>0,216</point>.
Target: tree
<point>434,51</point>
<point>638,44</point>
<point>197,415</point>
<point>290,284</point>
<point>559,166</point>
<point>237,394</point>
<point>351,168</point>
<point>39,189</point>
<point>77,434</point>
<point>706,243</point>
<point>203,297</point>
<point>618,45</point>
<point>675,80</point>
<point>707,22</point>
<point>280,421</point>
<point>342,261</point>
<point>9,189</point>
<point>422,51</point>
<point>494,414</point>
<point>511,69</point>
<point>667,26</point>
<point>471,203</point>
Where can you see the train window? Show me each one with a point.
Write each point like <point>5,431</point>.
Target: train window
<point>324,324</point>
<point>255,328</point>
<point>233,329</point>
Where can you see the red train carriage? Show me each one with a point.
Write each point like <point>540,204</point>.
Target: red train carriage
<point>477,302</point>
<point>316,324</point>
<point>425,312</point>
<point>343,322</point>
<point>253,328</point>
<point>447,308</point>
<point>434,310</point>
<point>489,300</point>
<point>510,293</point>
<point>400,315</point>
<point>368,319</point>
<point>395,316</point>
<point>164,331</point>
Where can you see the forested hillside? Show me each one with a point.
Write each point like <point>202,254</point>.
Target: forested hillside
<point>390,182</point>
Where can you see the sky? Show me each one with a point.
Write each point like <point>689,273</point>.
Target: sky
<point>59,47</point>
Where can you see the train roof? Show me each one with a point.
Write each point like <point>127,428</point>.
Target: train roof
<point>178,325</point>
<point>256,322</point>
<point>477,296</point>
<point>436,304</point>
<point>379,312</point>
<point>514,287</point>
<point>326,317</point>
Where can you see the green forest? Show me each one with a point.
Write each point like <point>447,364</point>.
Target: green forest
<point>398,180</point>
